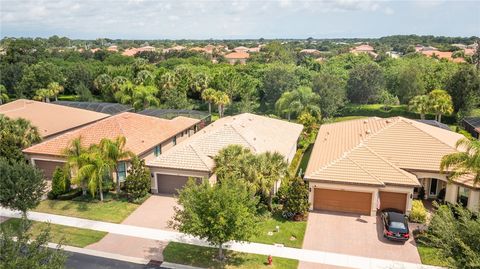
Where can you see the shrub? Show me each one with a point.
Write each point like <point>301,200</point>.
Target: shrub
<point>60,183</point>
<point>418,213</point>
<point>70,195</point>
<point>137,183</point>
<point>296,200</point>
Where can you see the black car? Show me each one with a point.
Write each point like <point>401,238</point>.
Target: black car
<point>395,226</point>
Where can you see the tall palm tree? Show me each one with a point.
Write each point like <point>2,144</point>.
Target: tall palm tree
<point>420,104</point>
<point>466,161</point>
<point>93,170</point>
<point>114,151</point>
<point>300,100</point>
<point>270,168</point>
<point>3,94</point>
<point>221,100</point>
<point>73,155</point>
<point>440,103</point>
<point>208,95</point>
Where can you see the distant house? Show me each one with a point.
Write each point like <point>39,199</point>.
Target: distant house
<point>237,57</point>
<point>132,51</point>
<point>241,49</point>
<point>364,48</point>
<point>393,54</point>
<point>472,125</point>
<point>194,157</point>
<point>175,48</point>
<point>147,137</point>
<point>113,48</point>
<point>50,119</point>
<point>443,55</point>
<point>310,52</point>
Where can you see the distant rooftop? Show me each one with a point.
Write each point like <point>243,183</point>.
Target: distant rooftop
<point>108,108</point>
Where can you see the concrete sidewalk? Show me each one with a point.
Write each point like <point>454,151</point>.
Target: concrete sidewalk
<point>313,256</point>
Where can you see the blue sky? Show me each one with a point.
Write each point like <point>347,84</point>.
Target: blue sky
<point>218,19</point>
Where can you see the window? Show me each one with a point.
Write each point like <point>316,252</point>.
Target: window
<point>175,140</point>
<point>463,194</point>
<point>122,171</point>
<point>157,150</point>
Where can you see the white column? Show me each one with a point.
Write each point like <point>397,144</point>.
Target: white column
<point>451,193</point>
<point>474,200</point>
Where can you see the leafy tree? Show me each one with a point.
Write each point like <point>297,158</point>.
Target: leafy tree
<point>221,100</point>
<point>18,249</point>
<point>60,182</point>
<point>308,121</point>
<point>16,135</point>
<point>420,104</point>
<point>38,76</point>
<point>83,93</point>
<point>331,92</point>
<point>103,84</point>
<point>208,96</point>
<point>465,161</point>
<point>276,52</point>
<point>78,74</point>
<point>464,87</point>
<point>144,77</point>
<point>454,231</point>
<point>137,183</point>
<point>440,103</point>
<point>298,101</point>
<point>388,99</point>
<point>219,213</point>
<point>296,202</point>
<point>410,83</point>
<point>276,80</point>
<point>365,84</point>
<point>21,186</point>
<point>3,94</point>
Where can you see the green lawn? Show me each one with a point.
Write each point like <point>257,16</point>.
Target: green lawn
<point>205,257</point>
<point>431,256</point>
<point>305,158</point>
<point>111,211</point>
<point>346,118</point>
<point>67,235</point>
<point>290,235</point>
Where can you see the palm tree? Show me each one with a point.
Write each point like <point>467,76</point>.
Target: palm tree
<point>43,95</point>
<point>114,151</point>
<point>144,77</point>
<point>300,100</point>
<point>168,81</point>
<point>270,168</point>
<point>117,83</point>
<point>54,89</point>
<point>221,100</point>
<point>3,94</point>
<point>144,96</point>
<point>283,105</point>
<point>466,161</point>
<point>93,170</point>
<point>229,162</point>
<point>208,95</point>
<point>73,155</point>
<point>420,104</point>
<point>440,103</point>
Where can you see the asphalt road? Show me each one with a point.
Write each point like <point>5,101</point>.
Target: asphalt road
<point>82,261</point>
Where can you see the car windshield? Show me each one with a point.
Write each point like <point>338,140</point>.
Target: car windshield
<point>397,227</point>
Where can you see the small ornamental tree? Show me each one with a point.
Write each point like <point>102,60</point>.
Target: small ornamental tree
<point>19,250</point>
<point>219,213</point>
<point>60,182</point>
<point>21,186</point>
<point>296,200</point>
<point>137,183</point>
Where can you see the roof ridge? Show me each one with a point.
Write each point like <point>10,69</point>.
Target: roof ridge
<point>442,142</point>
<point>389,163</point>
<point>243,137</point>
<point>366,171</point>
<point>198,154</point>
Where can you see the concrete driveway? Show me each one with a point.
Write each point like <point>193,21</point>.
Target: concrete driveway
<point>354,235</point>
<point>155,212</point>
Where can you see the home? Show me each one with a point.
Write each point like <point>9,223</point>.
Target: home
<point>113,48</point>
<point>146,136</point>
<point>365,165</point>
<point>194,157</point>
<point>310,52</point>
<point>443,55</point>
<point>50,119</point>
<point>472,125</point>
<point>240,49</point>
<point>364,48</point>
<point>237,57</point>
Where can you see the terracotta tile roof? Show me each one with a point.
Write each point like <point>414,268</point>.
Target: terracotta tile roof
<point>237,55</point>
<point>258,133</point>
<point>363,48</point>
<point>141,132</point>
<point>381,149</point>
<point>443,55</point>
<point>49,118</point>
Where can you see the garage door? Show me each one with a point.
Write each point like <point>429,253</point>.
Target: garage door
<point>169,183</point>
<point>48,167</point>
<point>343,201</point>
<point>393,200</point>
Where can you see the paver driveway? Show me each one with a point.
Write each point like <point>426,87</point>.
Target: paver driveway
<point>354,235</point>
<point>155,212</point>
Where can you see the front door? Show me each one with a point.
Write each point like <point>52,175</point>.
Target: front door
<point>433,186</point>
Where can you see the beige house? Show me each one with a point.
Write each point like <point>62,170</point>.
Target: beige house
<point>194,157</point>
<point>146,136</point>
<point>237,57</point>
<point>50,119</point>
<point>361,166</point>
